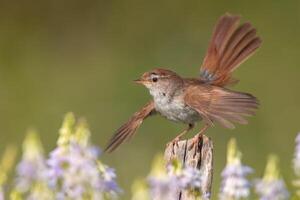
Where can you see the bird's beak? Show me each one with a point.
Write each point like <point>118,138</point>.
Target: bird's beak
<point>139,81</point>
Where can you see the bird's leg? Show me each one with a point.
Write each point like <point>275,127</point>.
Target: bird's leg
<point>197,138</point>
<point>178,137</point>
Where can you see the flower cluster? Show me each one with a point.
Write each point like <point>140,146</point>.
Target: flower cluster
<point>72,170</point>
<point>190,178</point>
<point>31,170</point>
<point>234,186</point>
<point>166,184</point>
<point>234,176</point>
<point>164,188</point>
<point>271,186</point>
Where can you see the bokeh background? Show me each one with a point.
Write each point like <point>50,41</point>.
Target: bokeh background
<point>81,56</point>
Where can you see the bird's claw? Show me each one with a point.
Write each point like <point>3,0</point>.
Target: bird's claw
<point>195,143</point>
<point>174,143</point>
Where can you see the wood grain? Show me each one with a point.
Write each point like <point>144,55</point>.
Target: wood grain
<point>202,159</point>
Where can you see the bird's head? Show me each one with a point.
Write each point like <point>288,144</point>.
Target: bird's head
<point>160,80</point>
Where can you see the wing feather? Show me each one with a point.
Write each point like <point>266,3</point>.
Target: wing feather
<point>231,44</point>
<point>127,130</point>
<point>224,106</point>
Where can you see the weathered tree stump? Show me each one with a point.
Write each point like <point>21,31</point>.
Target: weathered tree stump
<point>202,159</point>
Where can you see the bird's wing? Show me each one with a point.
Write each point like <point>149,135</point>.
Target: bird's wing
<point>216,104</point>
<point>127,130</point>
<point>230,45</point>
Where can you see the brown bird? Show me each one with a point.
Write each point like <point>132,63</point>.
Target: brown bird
<point>189,100</point>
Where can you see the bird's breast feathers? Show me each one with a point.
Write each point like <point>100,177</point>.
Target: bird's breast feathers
<point>174,108</point>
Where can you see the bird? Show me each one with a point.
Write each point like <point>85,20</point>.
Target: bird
<point>207,97</point>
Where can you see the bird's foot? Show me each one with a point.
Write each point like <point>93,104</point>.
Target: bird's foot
<point>174,143</point>
<point>195,143</point>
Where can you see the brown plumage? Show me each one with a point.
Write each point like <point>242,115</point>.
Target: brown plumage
<point>230,45</point>
<point>221,105</point>
<point>128,129</point>
<point>189,100</point>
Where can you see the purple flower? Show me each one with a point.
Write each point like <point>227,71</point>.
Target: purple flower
<point>166,184</point>
<point>32,168</point>
<point>108,179</point>
<point>74,171</point>
<point>1,193</point>
<point>235,184</point>
<point>29,172</point>
<point>271,186</point>
<point>164,188</point>
<point>271,190</point>
<point>57,162</point>
<point>190,178</point>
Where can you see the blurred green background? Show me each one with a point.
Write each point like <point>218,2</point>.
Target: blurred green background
<point>81,56</point>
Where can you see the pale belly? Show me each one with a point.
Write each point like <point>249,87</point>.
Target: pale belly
<point>176,111</point>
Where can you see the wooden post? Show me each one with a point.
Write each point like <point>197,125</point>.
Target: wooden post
<point>202,160</point>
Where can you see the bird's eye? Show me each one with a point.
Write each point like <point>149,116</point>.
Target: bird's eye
<point>154,79</point>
